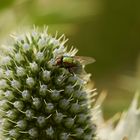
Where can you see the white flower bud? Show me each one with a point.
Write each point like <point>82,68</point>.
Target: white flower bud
<point>75,108</point>
<point>43,90</point>
<point>49,107</point>
<point>59,51</point>
<point>12,114</point>
<point>46,75</point>
<point>14,133</point>
<point>40,56</point>
<point>34,66</point>
<point>26,95</point>
<point>64,136</point>
<point>9,95</point>
<point>79,132</point>
<point>33,132</point>
<point>15,84</point>
<point>18,57</point>
<point>3,84</point>
<point>26,47</point>
<point>34,34</point>
<point>5,123</point>
<point>29,114</point>
<point>18,104</point>
<point>22,124</point>
<point>69,122</point>
<point>3,104</point>
<point>50,132</point>
<point>52,62</point>
<point>41,120</point>
<point>30,82</point>
<point>9,73</point>
<point>37,103</point>
<point>54,42</point>
<point>42,42</point>
<point>20,71</point>
<point>6,60</point>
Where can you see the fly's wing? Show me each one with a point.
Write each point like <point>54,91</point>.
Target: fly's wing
<point>84,60</point>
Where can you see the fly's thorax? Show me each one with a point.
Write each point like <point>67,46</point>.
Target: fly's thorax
<point>68,59</point>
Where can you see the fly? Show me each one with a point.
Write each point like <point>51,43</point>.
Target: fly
<point>74,63</point>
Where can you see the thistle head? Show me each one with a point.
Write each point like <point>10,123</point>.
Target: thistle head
<point>41,99</point>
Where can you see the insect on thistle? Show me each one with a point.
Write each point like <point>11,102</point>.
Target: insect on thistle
<point>74,63</point>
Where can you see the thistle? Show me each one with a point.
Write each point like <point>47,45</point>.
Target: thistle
<point>125,126</point>
<point>41,97</point>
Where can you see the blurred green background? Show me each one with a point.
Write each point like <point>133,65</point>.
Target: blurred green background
<point>108,30</point>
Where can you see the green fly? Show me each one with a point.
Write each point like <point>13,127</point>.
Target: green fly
<point>74,63</point>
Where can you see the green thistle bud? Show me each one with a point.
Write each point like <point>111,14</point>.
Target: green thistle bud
<point>43,92</point>
<point>26,95</point>
<point>50,132</point>
<point>22,124</point>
